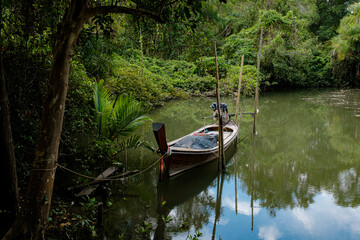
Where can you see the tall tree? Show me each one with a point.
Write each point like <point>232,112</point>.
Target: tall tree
<point>346,60</point>
<point>329,15</point>
<point>32,220</point>
<point>8,178</point>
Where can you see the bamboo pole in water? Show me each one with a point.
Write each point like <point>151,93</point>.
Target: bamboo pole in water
<point>239,88</point>
<point>219,189</point>
<point>257,81</point>
<point>216,206</point>
<point>252,182</point>
<point>221,159</point>
<point>235,175</point>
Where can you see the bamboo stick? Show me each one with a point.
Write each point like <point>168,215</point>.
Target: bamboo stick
<point>257,81</point>
<point>240,116</point>
<point>219,189</point>
<point>221,160</point>
<point>252,182</point>
<point>239,89</point>
<point>235,175</point>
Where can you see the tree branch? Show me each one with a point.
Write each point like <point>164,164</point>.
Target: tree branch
<point>118,9</point>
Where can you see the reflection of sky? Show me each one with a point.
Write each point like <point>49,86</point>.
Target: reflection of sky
<point>324,218</point>
<point>321,220</point>
<point>243,207</point>
<point>269,233</point>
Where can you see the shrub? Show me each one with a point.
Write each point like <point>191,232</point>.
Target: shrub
<point>206,66</point>
<point>248,82</point>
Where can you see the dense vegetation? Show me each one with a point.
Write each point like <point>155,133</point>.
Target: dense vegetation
<point>309,43</point>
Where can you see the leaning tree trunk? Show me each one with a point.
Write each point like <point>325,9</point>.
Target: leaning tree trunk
<point>35,212</point>
<point>32,220</point>
<point>9,200</point>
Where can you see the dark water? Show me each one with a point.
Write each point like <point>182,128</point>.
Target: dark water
<point>298,178</point>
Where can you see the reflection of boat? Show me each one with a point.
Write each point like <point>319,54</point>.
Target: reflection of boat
<point>179,189</point>
<point>194,149</point>
<point>173,192</point>
<point>176,191</point>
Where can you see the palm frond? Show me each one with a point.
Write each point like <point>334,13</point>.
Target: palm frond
<point>126,117</point>
<point>133,125</point>
<point>119,118</point>
<point>134,142</point>
<point>102,105</point>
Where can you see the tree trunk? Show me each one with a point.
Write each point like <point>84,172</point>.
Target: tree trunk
<point>32,220</point>
<point>9,201</point>
<point>34,214</point>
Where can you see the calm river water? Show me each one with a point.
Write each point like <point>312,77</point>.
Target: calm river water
<point>298,178</point>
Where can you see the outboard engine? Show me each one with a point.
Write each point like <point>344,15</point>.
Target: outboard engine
<point>224,112</point>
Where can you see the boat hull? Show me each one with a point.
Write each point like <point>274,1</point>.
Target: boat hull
<point>183,160</point>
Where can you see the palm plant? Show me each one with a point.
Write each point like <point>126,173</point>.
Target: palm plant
<point>118,119</point>
<point>349,33</point>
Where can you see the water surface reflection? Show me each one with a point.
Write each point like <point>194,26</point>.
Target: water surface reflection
<point>297,179</point>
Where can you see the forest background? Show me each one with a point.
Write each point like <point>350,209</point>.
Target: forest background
<point>307,44</point>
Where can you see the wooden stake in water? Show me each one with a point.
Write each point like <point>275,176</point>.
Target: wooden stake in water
<point>235,175</point>
<point>221,159</point>
<point>239,88</point>
<point>218,203</point>
<point>257,81</point>
<point>252,182</point>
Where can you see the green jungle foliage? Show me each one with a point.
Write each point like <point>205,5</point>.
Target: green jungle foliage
<point>346,48</point>
<point>307,43</point>
<point>154,62</point>
<point>117,118</point>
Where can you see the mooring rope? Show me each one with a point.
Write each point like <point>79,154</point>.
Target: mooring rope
<point>167,154</point>
<point>109,179</point>
<point>245,137</point>
<point>161,164</point>
<point>136,174</point>
<point>76,173</point>
<point>44,169</point>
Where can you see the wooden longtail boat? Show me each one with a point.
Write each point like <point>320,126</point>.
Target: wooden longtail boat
<point>184,153</point>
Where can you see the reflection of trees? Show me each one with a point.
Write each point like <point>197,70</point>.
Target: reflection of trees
<point>196,210</point>
<point>185,199</point>
<point>344,140</point>
<point>348,189</point>
<point>188,201</point>
<point>302,150</point>
<point>133,204</point>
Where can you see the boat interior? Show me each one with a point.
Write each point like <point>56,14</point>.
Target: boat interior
<point>205,138</point>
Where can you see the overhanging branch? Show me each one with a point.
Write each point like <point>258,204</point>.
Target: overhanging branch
<point>117,9</point>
